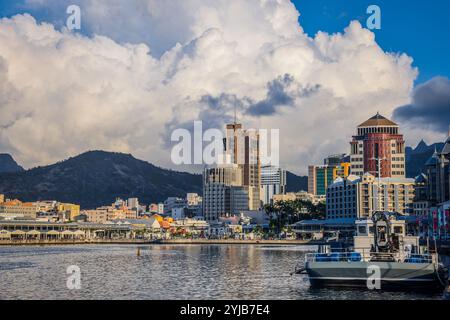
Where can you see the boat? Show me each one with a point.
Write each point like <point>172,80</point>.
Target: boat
<point>382,257</point>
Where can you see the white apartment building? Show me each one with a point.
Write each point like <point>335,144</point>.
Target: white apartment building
<point>359,197</point>
<point>273,182</point>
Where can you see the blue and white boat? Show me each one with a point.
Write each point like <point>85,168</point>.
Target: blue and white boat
<point>382,257</point>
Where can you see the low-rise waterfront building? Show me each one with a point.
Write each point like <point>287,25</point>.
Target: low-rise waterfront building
<point>35,230</point>
<point>174,203</point>
<point>108,213</point>
<point>302,196</point>
<point>17,209</point>
<point>193,199</point>
<point>192,226</point>
<point>290,196</point>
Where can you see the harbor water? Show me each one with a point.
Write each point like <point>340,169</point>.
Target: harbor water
<point>166,272</point>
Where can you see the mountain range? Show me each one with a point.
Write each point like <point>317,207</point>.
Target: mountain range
<point>96,178</point>
<point>8,165</point>
<point>416,158</point>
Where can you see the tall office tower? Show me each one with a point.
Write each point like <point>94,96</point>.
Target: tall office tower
<point>2,198</point>
<point>319,178</point>
<point>273,181</point>
<point>242,149</point>
<point>340,164</point>
<point>378,147</point>
<point>223,192</point>
<point>335,160</point>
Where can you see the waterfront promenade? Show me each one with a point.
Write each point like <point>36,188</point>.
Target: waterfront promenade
<point>32,242</point>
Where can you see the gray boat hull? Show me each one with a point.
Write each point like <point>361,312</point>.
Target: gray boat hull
<point>391,275</point>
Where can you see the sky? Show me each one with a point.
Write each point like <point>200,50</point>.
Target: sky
<point>140,69</point>
<point>418,28</point>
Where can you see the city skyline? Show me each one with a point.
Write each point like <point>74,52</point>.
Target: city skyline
<point>118,93</point>
<point>213,157</point>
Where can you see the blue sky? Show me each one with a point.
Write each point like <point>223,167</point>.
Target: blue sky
<point>419,28</point>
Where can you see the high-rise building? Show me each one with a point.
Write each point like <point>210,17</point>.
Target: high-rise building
<point>335,160</point>
<point>2,198</point>
<point>273,182</point>
<point>242,149</point>
<point>378,147</point>
<point>359,197</point>
<point>437,172</point>
<point>223,192</point>
<point>432,203</point>
<point>342,170</point>
<point>319,178</point>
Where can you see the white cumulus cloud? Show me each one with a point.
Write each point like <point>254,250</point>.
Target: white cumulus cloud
<point>63,93</point>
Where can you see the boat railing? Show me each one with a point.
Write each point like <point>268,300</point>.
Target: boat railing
<point>335,256</point>
<point>366,255</point>
<point>419,258</point>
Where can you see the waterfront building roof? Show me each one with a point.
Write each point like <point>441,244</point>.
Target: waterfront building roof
<point>421,178</point>
<point>71,226</point>
<point>330,222</point>
<point>446,148</point>
<point>377,120</point>
<point>433,160</point>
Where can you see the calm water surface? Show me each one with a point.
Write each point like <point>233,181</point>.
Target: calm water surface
<point>166,273</point>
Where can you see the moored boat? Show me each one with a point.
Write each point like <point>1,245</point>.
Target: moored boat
<point>382,257</point>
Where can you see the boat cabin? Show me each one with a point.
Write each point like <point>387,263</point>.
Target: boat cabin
<point>384,234</point>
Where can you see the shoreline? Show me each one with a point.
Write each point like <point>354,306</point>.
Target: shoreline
<point>158,242</point>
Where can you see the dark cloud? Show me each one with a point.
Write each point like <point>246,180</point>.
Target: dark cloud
<point>279,93</point>
<point>216,111</point>
<point>430,107</point>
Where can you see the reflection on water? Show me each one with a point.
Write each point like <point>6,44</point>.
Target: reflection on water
<point>166,273</point>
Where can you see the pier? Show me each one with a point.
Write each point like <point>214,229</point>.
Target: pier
<point>53,242</point>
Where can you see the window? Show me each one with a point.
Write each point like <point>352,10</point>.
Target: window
<point>362,230</point>
<point>398,230</point>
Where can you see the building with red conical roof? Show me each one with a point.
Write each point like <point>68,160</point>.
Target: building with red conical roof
<point>378,148</point>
